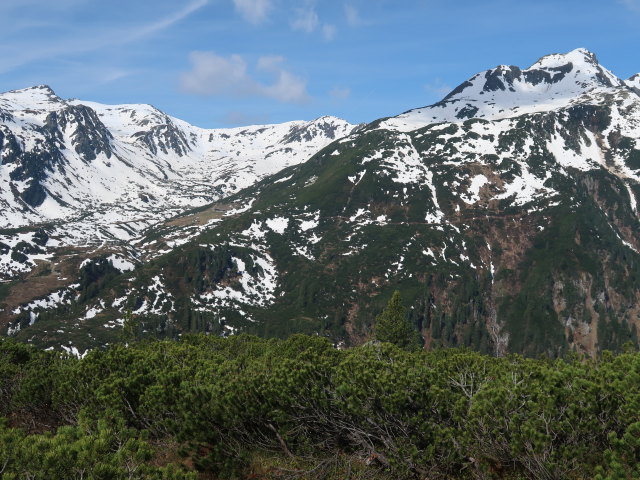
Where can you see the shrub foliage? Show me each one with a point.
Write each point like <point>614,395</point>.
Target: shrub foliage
<point>299,408</point>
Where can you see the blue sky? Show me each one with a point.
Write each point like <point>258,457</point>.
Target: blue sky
<point>218,63</point>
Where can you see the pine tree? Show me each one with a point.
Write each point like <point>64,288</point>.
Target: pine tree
<point>392,325</point>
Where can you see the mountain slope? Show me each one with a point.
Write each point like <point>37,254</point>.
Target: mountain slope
<point>509,231</point>
<point>634,83</point>
<point>92,173</point>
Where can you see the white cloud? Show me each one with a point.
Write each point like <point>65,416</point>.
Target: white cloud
<point>217,75</point>
<point>305,19</point>
<point>353,16</point>
<point>114,74</point>
<point>329,32</point>
<point>270,63</point>
<point>254,11</point>
<point>287,88</point>
<point>341,93</point>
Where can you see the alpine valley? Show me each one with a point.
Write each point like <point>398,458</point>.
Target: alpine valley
<point>505,214</point>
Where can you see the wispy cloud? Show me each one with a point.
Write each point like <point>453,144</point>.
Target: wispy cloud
<point>114,74</point>
<point>352,15</point>
<point>212,74</point>
<point>305,18</point>
<point>99,75</point>
<point>340,93</point>
<point>329,32</point>
<point>254,11</point>
<point>13,56</point>
<point>166,22</point>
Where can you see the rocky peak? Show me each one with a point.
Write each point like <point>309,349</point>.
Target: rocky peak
<point>44,89</point>
<point>557,74</point>
<point>37,98</point>
<point>579,56</point>
<point>553,82</point>
<point>583,67</point>
<point>325,127</point>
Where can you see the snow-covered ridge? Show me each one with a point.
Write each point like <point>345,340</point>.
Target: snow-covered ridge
<point>118,168</point>
<point>553,82</point>
<point>634,82</point>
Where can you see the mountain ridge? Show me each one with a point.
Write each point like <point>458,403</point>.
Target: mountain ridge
<point>127,126</point>
<point>91,173</point>
<point>506,233</point>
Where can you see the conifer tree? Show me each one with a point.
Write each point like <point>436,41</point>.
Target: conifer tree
<point>393,326</point>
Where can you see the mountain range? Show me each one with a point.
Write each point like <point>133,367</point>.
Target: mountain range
<point>506,215</point>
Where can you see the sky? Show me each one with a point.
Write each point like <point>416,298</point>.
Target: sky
<point>225,63</point>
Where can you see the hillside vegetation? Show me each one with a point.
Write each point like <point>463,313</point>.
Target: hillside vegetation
<point>244,407</point>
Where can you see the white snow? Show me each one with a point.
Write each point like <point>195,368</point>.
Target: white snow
<point>284,179</point>
<point>310,224</point>
<point>92,312</point>
<point>634,82</point>
<point>121,264</point>
<point>74,351</point>
<point>254,231</point>
<point>632,198</point>
<point>526,188</point>
<point>473,192</point>
<point>158,299</point>
<point>242,209</point>
<point>278,224</point>
<point>359,213</point>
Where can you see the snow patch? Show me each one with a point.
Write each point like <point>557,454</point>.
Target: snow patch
<point>278,224</point>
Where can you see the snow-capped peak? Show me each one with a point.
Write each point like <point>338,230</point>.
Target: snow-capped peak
<point>579,56</point>
<point>581,65</point>
<point>66,160</point>
<point>568,74</point>
<point>554,81</point>
<point>38,97</point>
<point>45,90</point>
